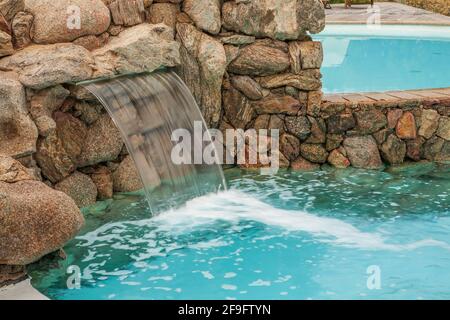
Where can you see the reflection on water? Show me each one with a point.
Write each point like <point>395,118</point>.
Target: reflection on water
<point>291,236</point>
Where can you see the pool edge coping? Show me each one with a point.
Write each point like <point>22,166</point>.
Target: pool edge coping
<point>388,97</point>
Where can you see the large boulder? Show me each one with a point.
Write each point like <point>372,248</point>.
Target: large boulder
<point>249,87</point>
<point>42,66</point>
<point>277,19</point>
<point>429,123</point>
<point>127,12</point>
<point>393,150</point>
<point>318,131</point>
<point>406,126</point>
<point>58,153</point>
<point>333,141</point>
<point>92,42</point>
<point>414,148</point>
<point>362,152</point>
<point>18,133</point>
<point>444,128</point>
<point>4,25</point>
<point>289,146</point>
<point>205,14</point>
<point>306,80</point>
<point>144,47</point>
<point>314,98</point>
<point>311,15</point>
<point>21,29</point>
<point>340,123</point>
<point>88,112</point>
<point>103,181</point>
<point>47,101</point>
<point>42,106</point>
<point>260,60</point>
<point>338,160</point>
<point>301,164</point>
<point>203,68</point>
<point>53,159</point>
<point>370,121</point>
<point>103,142</point>
<point>80,188</point>
<point>236,39</point>
<point>274,105</point>
<point>126,177</point>
<point>66,20</point>
<point>9,8</point>
<point>392,117</point>
<point>164,13</point>
<point>436,149</point>
<point>298,126</point>
<point>72,133</point>
<point>315,153</point>
<point>6,47</point>
<point>35,220</point>
<point>237,108</point>
<point>305,55</point>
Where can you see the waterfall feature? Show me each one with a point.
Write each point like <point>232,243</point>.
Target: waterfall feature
<point>147,108</point>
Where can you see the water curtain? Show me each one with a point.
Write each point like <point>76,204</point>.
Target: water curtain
<point>147,108</point>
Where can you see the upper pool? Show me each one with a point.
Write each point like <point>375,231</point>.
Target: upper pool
<point>359,58</point>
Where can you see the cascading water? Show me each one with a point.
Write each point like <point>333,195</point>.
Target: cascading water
<point>147,109</point>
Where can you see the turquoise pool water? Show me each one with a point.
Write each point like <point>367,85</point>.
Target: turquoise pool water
<point>362,59</point>
<point>290,236</point>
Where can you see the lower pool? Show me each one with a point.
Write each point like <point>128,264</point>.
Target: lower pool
<point>360,58</point>
<point>331,234</point>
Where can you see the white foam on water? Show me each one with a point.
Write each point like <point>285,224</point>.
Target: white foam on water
<point>233,207</point>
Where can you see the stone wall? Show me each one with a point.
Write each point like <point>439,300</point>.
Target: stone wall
<point>439,6</point>
<point>364,133</point>
<point>370,134</point>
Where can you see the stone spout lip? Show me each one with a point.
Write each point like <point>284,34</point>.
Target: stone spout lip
<point>145,47</point>
<point>142,48</point>
<point>114,76</point>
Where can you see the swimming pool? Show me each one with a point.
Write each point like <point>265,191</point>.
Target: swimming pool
<point>310,235</point>
<point>358,58</point>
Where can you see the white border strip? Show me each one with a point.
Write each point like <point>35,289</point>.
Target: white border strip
<point>21,291</point>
